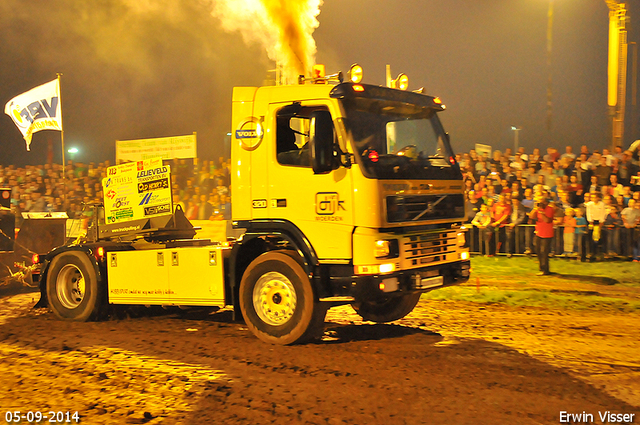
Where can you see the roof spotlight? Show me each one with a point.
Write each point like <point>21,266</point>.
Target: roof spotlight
<point>355,73</point>
<point>402,82</point>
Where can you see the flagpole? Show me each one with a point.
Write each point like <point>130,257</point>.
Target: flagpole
<point>64,165</point>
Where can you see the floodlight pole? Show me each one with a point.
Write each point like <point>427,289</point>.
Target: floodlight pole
<point>516,131</point>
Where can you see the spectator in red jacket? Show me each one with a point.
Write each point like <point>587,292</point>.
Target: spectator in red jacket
<point>543,215</point>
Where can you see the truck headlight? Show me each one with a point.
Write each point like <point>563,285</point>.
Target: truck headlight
<point>462,240</point>
<point>386,248</point>
<point>381,249</point>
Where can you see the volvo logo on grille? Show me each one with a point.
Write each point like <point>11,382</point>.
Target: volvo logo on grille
<point>430,207</point>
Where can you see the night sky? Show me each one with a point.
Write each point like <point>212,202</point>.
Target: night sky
<point>158,68</point>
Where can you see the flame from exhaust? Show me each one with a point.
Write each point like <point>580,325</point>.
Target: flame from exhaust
<point>284,27</point>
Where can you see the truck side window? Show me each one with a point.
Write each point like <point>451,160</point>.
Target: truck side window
<point>292,136</point>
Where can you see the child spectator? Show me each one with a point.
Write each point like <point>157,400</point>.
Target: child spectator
<point>581,230</point>
<point>482,221</point>
<point>500,215</point>
<point>596,213</point>
<point>569,231</point>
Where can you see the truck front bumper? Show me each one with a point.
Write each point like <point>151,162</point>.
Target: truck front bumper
<point>400,282</point>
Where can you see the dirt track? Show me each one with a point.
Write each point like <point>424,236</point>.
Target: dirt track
<point>448,362</point>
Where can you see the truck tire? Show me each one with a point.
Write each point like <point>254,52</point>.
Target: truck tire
<point>72,287</point>
<point>277,300</point>
<point>388,310</point>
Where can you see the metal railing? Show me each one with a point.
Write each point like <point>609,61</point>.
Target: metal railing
<point>521,240</point>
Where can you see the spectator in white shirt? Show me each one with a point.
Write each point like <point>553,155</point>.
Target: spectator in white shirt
<point>596,213</point>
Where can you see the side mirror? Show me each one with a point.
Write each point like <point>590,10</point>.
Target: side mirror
<point>321,142</point>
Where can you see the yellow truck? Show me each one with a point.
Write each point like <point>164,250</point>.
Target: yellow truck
<point>348,193</point>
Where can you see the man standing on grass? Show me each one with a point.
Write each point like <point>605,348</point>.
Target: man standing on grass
<point>543,214</point>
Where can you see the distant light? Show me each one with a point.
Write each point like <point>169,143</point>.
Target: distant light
<point>73,150</point>
<point>228,134</point>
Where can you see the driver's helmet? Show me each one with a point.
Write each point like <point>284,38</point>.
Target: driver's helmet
<point>409,151</point>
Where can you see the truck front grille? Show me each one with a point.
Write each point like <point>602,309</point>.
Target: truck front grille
<point>428,248</point>
<point>424,207</point>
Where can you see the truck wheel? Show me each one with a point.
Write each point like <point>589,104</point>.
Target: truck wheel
<point>388,310</point>
<point>72,287</point>
<point>277,300</point>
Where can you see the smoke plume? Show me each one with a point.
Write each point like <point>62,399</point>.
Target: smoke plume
<point>131,69</point>
<point>284,27</point>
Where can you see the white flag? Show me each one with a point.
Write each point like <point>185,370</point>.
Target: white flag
<point>38,109</point>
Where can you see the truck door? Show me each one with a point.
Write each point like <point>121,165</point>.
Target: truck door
<point>319,205</point>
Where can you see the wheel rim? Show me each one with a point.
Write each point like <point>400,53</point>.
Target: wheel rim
<point>274,298</point>
<point>70,286</point>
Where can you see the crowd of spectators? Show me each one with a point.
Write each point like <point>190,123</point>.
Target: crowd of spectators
<point>200,188</point>
<point>595,198</point>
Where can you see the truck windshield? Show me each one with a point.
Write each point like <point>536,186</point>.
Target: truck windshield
<point>398,140</point>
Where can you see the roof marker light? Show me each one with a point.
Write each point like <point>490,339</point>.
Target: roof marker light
<point>358,87</point>
<point>318,71</point>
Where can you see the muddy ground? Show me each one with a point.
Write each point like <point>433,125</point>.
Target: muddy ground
<point>447,362</point>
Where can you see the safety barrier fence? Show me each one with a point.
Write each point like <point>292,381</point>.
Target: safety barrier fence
<point>521,240</point>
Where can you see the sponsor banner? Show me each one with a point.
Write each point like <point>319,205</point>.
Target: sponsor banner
<point>162,147</point>
<point>137,190</point>
<point>38,109</point>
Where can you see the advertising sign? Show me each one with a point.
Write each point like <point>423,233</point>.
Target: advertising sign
<point>162,147</point>
<point>137,190</point>
<point>483,150</point>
